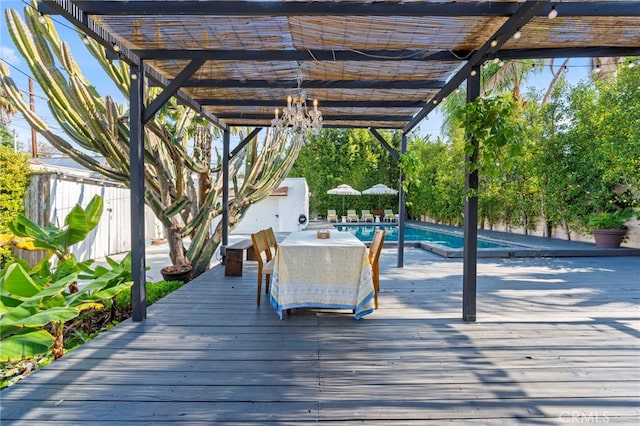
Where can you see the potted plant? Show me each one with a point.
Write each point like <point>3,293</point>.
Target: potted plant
<point>177,273</point>
<point>608,228</point>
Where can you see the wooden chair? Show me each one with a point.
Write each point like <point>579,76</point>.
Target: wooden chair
<point>271,239</point>
<point>265,265</point>
<point>374,260</point>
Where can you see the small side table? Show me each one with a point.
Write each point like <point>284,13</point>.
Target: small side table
<point>344,219</point>
<point>377,219</point>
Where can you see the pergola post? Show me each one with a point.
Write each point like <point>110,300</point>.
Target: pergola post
<point>401,205</point>
<point>470,251</point>
<point>136,172</point>
<point>226,141</point>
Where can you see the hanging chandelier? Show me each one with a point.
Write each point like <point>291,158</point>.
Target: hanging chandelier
<point>295,117</point>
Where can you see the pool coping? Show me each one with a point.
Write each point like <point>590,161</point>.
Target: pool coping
<point>523,245</point>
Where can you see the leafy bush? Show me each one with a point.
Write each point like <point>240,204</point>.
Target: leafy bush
<point>14,179</point>
<point>36,303</point>
<point>610,220</point>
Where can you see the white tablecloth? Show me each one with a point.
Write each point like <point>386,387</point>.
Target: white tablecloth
<point>323,273</point>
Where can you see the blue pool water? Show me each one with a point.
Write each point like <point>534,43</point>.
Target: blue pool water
<point>412,233</point>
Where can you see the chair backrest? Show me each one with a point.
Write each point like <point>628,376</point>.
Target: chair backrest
<point>389,213</point>
<point>351,213</point>
<point>260,246</point>
<point>271,237</point>
<point>376,246</point>
<point>331,213</point>
<point>366,212</point>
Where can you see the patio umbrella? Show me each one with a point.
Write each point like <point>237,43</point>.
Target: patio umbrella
<point>380,189</point>
<point>343,190</point>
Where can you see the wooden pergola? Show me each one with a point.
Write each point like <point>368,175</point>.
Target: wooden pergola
<point>371,64</point>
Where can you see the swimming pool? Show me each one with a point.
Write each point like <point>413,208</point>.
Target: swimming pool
<point>412,233</point>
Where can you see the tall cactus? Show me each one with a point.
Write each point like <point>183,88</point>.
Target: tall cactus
<point>182,187</point>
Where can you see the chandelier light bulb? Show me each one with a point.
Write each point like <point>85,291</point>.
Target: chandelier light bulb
<point>85,40</point>
<point>494,42</point>
<point>632,64</point>
<point>565,69</point>
<point>116,48</point>
<point>473,73</point>
<point>517,34</point>
<point>134,76</point>
<point>42,19</point>
<point>553,13</point>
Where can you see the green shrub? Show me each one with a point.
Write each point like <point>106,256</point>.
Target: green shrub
<point>14,179</point>
<point>155,292</point>
<point>610,220</point>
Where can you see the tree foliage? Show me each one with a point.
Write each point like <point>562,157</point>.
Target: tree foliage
<point>14,180</point>
<point>6,137</point>
<point>558,156</point>
<point>354,157</point>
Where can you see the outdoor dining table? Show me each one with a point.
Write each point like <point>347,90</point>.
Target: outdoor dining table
<point>322,273</point>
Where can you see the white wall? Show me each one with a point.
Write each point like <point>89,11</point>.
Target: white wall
<point>56,193</point>
<point>277,211</point>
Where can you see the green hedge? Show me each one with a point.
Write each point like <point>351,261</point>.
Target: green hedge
<point>14,179</point>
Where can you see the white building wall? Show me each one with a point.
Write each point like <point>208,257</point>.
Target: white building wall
<point>278,211</point>
<point>53,194</point>
<point>113,233</point>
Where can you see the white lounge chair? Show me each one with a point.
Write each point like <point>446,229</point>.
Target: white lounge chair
<point>366,216</point>
<point>390,216</point>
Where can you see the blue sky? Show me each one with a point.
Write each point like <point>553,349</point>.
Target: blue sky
<point>578,70</point>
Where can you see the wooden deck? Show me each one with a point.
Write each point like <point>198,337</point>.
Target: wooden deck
<point>557,341</point>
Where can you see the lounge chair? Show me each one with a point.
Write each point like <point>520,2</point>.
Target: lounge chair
<point>352,216</point>
<point>390,216</point>
<point>332,215</point>
<point>367,216</point>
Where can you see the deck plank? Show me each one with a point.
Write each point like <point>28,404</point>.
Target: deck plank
<point>555,338</point>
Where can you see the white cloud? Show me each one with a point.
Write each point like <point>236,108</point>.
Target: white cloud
<point>10,55</point>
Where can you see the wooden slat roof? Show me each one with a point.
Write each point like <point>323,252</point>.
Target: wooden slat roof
<point>383,64</point>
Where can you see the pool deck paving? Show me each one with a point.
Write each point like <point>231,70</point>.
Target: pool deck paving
<point>522,245</point>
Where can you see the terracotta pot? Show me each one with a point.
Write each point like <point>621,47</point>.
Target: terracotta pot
<point>176,273</point>
<point>608,238</point>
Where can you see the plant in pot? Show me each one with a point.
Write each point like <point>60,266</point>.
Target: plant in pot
<point>177,273</point>
<point>608,228</point>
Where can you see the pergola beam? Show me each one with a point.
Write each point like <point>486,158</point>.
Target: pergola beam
<point>317,84</point>
<point>303,55</point>
<point>361,8</point>
<point>279,103</point>
<point>381,55</point>
<point>569,52</point>
<point>338,117</point>
<point>171,89</point>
